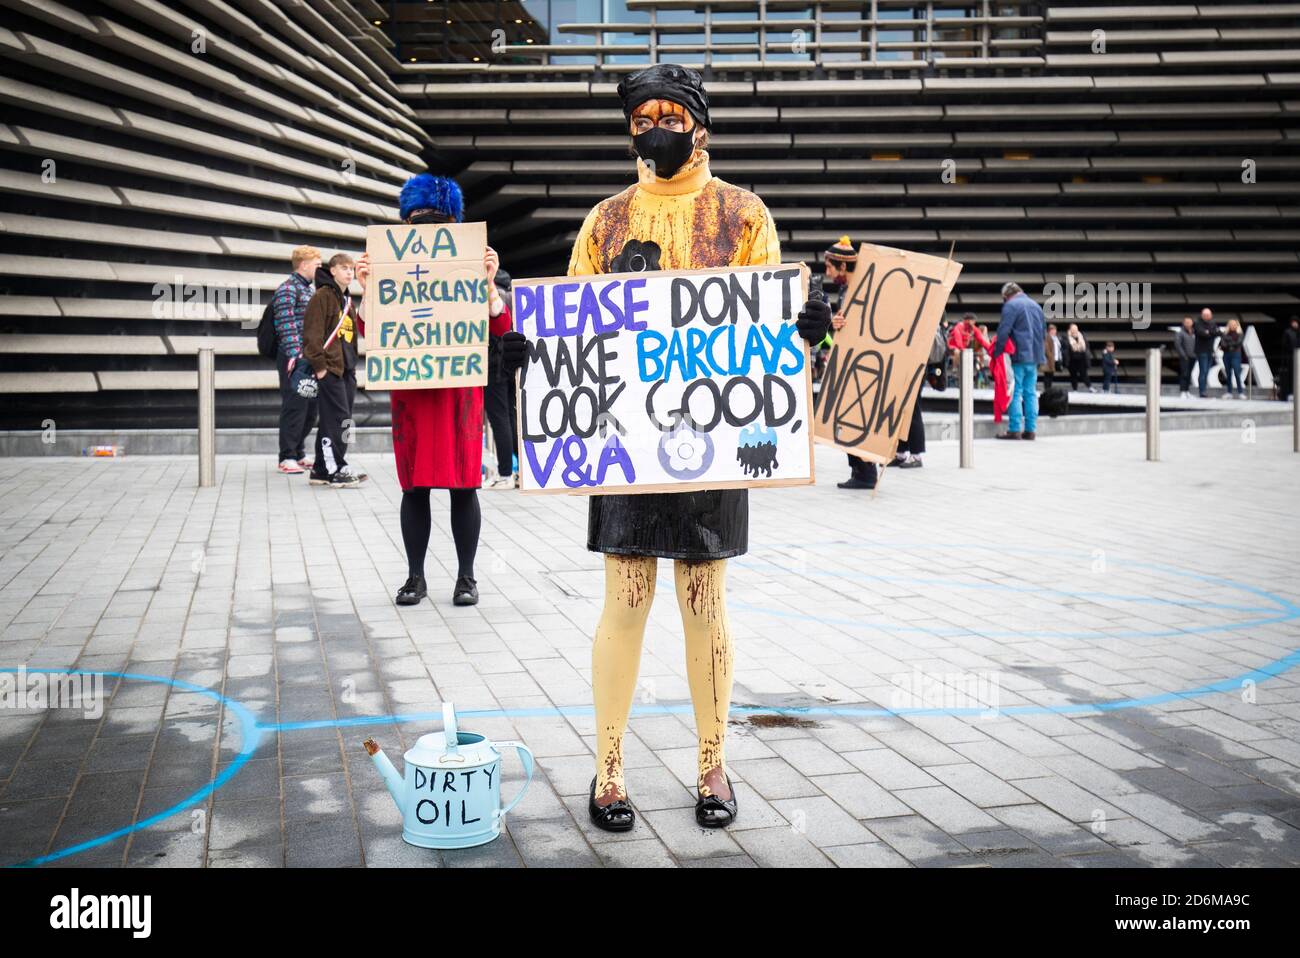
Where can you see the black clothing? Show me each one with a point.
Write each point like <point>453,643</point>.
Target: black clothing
<point>499,407</point>
<point>666,81</point>
<point>334,400</point>
<point>915,441</point>
<point>1205,333</point>
<point>861,469</point>
<point>417,522</point>
<point>696,526</point>
<point>297,415</point>
<point>1078,368</point>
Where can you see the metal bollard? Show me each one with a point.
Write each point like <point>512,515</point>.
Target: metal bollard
<point>207,418</point>
<point>1295,399</point>
<point>966,409</point>
<point>1153,405</point>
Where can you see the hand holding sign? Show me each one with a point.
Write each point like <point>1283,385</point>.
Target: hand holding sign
<point>814,321</point>
<point>514,351</point>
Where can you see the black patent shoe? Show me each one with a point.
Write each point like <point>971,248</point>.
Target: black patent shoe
<point>617,816</point>
<point>412,591</point>
<point>466,591</point>
<point>714,812</point>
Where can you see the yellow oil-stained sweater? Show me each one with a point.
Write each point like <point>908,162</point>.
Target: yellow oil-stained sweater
<point>691,221</point>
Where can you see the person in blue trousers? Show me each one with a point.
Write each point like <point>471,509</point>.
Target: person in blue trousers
<point>1023,324</point>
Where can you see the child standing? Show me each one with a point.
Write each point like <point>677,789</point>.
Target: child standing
<point>1109,369</point>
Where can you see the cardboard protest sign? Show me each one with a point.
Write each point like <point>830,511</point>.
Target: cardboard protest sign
<point>426,306</point>
<point>892,307</point>
<point>664,381</point>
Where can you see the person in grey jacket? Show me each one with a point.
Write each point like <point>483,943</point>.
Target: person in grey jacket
<point>1185,346</point>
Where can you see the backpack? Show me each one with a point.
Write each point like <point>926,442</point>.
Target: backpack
<point>1054,402</point>
<point>938,348</point>
<point>267,343</point>
<point>936,367</point>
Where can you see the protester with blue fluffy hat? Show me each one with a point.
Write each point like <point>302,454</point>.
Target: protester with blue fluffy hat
<point>426,198</point>
<point>438,433</point>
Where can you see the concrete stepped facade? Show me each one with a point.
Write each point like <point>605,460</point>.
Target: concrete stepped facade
<point>158,161</point>
<point>1110,143</point>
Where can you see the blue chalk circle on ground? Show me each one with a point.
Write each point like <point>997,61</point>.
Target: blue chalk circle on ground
<point>1260,608</point>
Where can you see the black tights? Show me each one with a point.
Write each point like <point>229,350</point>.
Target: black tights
<point>466,520</point>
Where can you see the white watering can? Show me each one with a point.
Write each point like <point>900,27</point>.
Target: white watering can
<point>450,796</point>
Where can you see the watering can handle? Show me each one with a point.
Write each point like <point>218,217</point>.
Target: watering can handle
<point>449,734</point>
<point>526,759</point>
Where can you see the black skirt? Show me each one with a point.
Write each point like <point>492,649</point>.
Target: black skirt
<point>709,524</point>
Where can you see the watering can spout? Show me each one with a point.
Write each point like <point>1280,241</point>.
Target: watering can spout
<point>390,774</point>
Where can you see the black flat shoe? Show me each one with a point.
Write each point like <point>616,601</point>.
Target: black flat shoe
<point>714,812</point>
<point>412,591</point>
<point>466,591</point>
<point>617,816</point>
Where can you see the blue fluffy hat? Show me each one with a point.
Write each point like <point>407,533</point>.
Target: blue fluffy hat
<point>424,191</point>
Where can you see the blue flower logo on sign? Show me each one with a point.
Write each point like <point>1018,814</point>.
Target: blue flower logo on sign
<point>685,453</point>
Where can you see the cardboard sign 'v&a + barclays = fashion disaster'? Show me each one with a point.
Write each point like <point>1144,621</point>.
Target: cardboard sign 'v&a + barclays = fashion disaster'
<point>426,306</point>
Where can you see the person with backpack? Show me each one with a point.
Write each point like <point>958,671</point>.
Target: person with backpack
<point>329,333</point>
<point>288,307</point>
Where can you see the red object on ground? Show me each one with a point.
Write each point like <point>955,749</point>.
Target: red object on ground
<point>1001,387</point>
<point>438,433</point>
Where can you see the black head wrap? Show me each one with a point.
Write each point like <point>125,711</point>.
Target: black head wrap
<point>666,81</point>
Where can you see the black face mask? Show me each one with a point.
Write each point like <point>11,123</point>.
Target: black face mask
<point>422,217</point>
<point>665,149</point>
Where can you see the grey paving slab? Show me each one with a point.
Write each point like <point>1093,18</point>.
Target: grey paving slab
<point>255,592</point>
